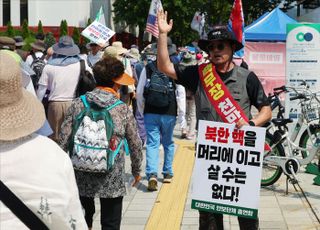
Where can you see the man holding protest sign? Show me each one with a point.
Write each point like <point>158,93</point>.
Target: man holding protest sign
<point>224,92</point>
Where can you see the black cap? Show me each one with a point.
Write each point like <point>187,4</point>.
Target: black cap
<point>219,33</point>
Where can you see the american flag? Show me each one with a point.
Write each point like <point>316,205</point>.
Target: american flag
<point>152,25</point>
<point>236,24</point>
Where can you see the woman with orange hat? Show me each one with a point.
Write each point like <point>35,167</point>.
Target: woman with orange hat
<point>110,187</point>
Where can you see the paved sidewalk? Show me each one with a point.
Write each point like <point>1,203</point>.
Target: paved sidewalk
<point>278,210</point>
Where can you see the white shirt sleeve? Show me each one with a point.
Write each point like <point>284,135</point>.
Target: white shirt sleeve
<point>41,92</point>
<point>140,89</point>
<point>29,60</point>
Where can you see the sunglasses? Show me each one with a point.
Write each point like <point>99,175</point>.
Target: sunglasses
<point>219,47</point>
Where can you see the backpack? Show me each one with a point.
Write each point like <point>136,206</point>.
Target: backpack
<point>37,66</point>
<point>159,89</point>
<point>93,146</point>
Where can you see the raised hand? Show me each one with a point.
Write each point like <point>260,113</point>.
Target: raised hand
<point>163,25</point>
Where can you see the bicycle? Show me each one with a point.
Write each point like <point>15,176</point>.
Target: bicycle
<point>278,160</point>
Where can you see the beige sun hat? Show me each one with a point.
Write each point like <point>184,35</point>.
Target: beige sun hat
<point>133,53</point>
<point>21,113</point>
<point>111,51</point>
<point>118,45</point>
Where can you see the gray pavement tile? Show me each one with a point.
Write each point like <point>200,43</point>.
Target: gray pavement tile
<point>147,201</point>
<point>302,227</point>
<point>188,214</point>
<point>299,215</point>
<point>137,213</point>
<point>139,207</point>
<point>137,220</point>
<point>271,217</point>
<point>270,211</point>
<point>146,195</point>
<point>132,227</point>
<point>272,225</point>
<point>190,220</point>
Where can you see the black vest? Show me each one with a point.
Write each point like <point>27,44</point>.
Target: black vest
<point>237,86</point>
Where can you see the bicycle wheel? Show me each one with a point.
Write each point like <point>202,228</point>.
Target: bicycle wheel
<point>271,173</point>
<point>305,141</point>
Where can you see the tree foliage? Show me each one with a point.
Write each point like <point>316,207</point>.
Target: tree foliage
<point>49,40</point>
<point>135,13</point>
<point>253,9</point>
<point>86,40</point>
<point>25,29</point>
<point>63,28</point>
<point>76,35</point>
<point>40,27</point>
<point>10,31</point>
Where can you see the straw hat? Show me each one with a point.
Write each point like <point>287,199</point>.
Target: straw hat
<point>21,113</point>
<point>66,47</point>
<point>118,45</point>
<point>111,51</point>
<point>133,53</point>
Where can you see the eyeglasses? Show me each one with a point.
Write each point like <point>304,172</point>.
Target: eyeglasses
<point>219,47</point>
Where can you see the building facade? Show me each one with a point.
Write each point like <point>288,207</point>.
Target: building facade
<point>75,12</point>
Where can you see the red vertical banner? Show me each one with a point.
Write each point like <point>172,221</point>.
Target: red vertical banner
<point>236,25</point>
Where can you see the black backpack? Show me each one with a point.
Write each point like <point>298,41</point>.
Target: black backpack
<point>86,81</point>
<point>37,66</point>
<point>159,89</point>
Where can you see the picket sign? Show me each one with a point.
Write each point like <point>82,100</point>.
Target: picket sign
<point>98,33</point>
<point>227,171</point>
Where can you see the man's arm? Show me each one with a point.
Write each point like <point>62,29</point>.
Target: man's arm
<point>264,115</point>
<point>163,61</point>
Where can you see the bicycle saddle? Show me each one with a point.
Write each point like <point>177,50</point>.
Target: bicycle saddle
<point>281,121</point>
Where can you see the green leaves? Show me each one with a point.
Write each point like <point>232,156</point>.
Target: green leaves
<point>25,29</point>
<point>10,31</point>
<point>63,28</point>
<point>40,28</point>
<point>135,13</point>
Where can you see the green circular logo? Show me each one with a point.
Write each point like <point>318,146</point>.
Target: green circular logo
<point>300,37</point>
<point>304,37</point>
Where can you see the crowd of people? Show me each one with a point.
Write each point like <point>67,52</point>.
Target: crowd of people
<point>38,98</point>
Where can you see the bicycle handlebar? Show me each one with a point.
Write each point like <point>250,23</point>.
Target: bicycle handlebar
<point>298,96</point>
<point>282,88</point>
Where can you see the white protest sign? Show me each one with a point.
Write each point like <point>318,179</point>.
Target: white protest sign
<point>227,171</point>
<point>98,33</point>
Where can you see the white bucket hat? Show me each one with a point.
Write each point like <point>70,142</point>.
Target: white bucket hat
<point>118,45</point>
<point>133,53</point>
<point>21,113</point>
